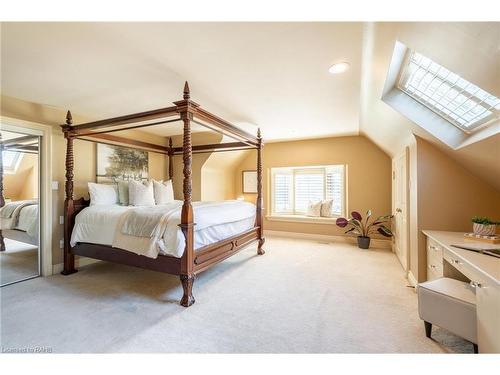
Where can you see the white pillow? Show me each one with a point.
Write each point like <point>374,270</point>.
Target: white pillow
<point>314,209</point>
<point>123,192</point>
<point>326,208</point>
<point>102,194</point>
<point>163,191</point>
<point>140,194</point>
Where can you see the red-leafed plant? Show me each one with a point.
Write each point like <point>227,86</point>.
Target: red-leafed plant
<point>363,228</point>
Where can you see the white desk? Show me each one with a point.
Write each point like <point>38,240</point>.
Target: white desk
<point>483,271</point>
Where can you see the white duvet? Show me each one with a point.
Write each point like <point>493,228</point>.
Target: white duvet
<point>24,217</point>
<point>214,221</point>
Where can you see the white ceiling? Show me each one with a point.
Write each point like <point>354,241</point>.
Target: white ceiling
<point>271,75</point>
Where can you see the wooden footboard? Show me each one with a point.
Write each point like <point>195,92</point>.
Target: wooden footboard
<point>214,253</point>
<point>204,258</point>
<point>163,263</point>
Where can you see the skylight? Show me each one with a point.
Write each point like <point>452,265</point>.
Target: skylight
<point>11,161</point>
<point>455,99</point>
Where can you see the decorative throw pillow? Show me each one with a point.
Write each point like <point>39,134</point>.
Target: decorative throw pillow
<point>326,208</point>
<point>102,194</point>
<point>163,191</point>
<point>314,209</point>
<point>123,192</point>
<point>140,194</point>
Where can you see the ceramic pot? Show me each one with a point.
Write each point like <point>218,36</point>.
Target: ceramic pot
<point>363,242</point>
<point>484,230</point>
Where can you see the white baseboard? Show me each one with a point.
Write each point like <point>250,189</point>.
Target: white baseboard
<point>376,243</point>
<point>412,279</point>
<point>79,262</point>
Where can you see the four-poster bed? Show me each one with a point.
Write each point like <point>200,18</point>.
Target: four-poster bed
<point>192,261</point>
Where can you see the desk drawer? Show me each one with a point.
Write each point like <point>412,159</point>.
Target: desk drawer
<point>434,260</point>
<point>434,272</point>
<point>434,251</point>
<point>457,263</point>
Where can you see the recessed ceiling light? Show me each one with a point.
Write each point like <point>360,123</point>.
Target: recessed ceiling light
<point>340,67</point>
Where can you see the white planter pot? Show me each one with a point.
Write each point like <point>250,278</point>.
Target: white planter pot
<point>484,230</point>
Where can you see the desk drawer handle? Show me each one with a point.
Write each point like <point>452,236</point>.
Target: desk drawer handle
<point>455,261</point>
<point>475,284</point>
<point>432,266</point>
<point>434,248</point>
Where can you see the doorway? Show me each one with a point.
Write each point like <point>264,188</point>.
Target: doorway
<point>400,194</point>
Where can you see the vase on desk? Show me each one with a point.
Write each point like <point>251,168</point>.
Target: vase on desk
<point>484,229</point>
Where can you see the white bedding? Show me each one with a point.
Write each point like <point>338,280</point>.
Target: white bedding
<point>28,220</point>
<point>215,221</point>
<point>24,218</point>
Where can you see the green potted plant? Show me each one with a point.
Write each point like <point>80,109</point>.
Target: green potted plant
<point>363,228</point>
<point>483,226</point>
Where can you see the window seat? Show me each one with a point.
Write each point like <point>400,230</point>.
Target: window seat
<point>303,219</point>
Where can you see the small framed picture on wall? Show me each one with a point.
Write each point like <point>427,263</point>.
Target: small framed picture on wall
<point>249,182</point>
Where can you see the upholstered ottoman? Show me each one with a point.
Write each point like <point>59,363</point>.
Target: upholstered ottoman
<point>449,304</point>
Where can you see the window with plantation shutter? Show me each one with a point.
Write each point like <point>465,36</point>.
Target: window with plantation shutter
<point>294,188</point>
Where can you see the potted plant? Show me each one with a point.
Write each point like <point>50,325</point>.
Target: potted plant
<point>483,226</point>
<point>364,228</point>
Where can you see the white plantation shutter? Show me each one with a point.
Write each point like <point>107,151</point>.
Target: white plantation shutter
<point>335,188</point>
<point>294,188</point>
<point>309,187</point>
<point>283,184</point>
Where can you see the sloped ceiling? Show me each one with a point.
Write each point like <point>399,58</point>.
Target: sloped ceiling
<point>272,75</point>
<point>470,49</point>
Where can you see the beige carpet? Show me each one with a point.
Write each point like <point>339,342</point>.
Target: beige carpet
<point>301,296</point>
<point>18,261</point>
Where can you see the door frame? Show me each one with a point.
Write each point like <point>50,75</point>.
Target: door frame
<point>45,176</point>
<point>405,263</point>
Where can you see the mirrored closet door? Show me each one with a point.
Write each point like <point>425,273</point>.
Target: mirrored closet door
<point>19,206</point>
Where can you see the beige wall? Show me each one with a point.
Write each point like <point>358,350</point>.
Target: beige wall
<point>218,182</point>
<point>448,196</point>
<point>369,175</point>
<point>24,183</point>
<point>197,163</point>
<point>85,157</point>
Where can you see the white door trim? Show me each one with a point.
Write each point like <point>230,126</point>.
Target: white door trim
<point>9,123</point>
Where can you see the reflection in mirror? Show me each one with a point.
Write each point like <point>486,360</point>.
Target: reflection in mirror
<point>19,206</point>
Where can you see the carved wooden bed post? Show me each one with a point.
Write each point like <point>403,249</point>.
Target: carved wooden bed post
<point>69,258</point>
<point>2,199</point>
<point>186,108</point>
<point>170,160</point>
<point>259,203</point>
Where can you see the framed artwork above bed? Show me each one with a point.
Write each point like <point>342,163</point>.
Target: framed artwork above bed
<point>249,182</point>
<point>118,162</point>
